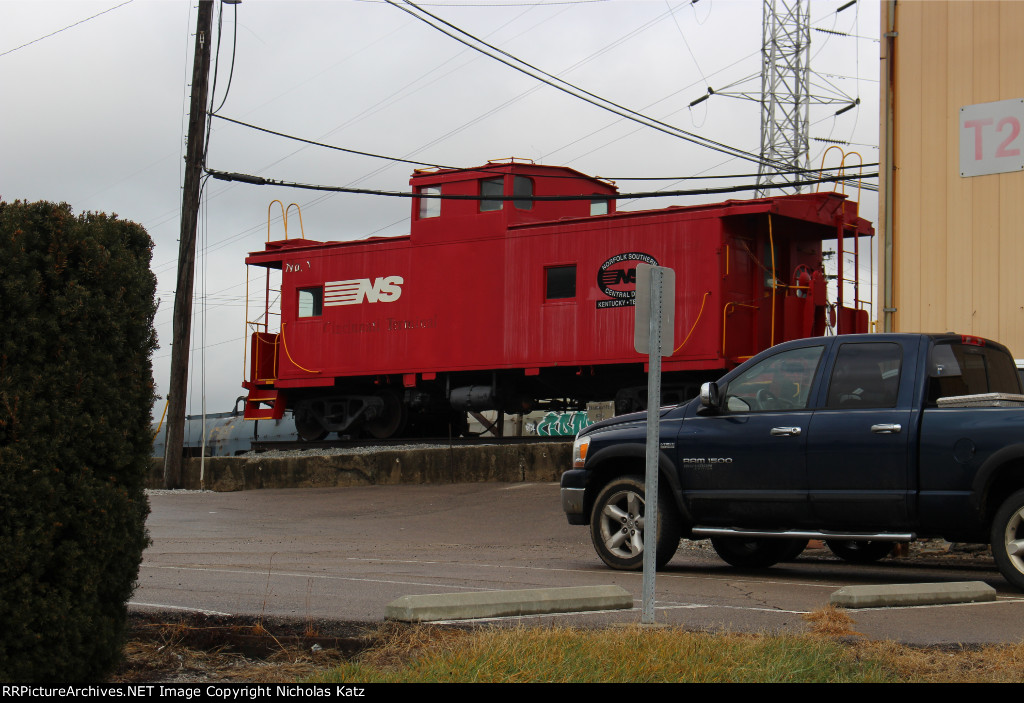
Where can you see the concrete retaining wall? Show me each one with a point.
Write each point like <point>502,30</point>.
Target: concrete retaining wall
<point>504,463</point>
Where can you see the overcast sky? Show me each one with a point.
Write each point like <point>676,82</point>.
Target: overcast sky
<point>95,114</point>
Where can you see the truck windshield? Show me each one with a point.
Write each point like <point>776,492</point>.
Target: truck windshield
<point>968,369</point>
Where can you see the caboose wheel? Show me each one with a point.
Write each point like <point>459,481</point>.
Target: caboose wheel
<point>391,421</point>
<point>307,427</point>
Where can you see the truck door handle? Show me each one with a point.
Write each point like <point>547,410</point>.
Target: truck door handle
<point>785,431</point>
<point>886,429</point>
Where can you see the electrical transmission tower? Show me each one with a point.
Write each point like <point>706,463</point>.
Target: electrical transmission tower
<point>785,91</point>
<point>788,89</point>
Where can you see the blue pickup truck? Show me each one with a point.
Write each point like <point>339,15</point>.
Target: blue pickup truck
<point>860,440</point>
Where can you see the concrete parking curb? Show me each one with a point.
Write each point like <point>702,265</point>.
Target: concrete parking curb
<point>493,604</point>
<point>890,595</point>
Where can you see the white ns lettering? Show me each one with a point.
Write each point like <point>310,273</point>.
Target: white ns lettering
<point>385,289</point>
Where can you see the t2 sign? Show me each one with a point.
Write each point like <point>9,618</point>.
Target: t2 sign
<point>991,139</point>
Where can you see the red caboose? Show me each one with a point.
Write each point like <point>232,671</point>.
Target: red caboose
<point>506,300</point>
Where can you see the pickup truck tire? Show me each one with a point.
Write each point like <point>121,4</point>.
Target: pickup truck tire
<point>859,552</point>
<point>752,552</point>
<point>616,525</point>
<point>1008,539</point>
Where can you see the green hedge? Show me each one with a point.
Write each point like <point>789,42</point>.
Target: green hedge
<point>76,335</point>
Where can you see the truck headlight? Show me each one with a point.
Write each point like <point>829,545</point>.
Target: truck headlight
<point>579,452</point>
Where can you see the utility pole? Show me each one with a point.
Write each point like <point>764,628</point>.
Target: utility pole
<point>182,324</point>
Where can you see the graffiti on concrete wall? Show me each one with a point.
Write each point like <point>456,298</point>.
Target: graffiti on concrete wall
<point>568,423</point>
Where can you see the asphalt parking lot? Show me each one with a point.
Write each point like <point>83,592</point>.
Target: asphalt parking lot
<point>345,553</point>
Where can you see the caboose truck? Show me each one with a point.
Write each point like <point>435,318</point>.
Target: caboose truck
<point>512,302</point>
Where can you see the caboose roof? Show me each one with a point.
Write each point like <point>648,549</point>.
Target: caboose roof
<point>808,211</point>
<point>820,209</point>
<point>435,176</point>
<point>271,256</point>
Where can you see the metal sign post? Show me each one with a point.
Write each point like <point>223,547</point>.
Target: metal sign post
<point>653,334</point>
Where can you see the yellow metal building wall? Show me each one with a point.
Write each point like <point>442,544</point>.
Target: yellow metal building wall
<point>958,243</point>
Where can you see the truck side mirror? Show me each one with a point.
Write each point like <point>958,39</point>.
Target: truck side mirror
<point>710,396</point>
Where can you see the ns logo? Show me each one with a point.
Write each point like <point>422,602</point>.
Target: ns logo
<point>384,289</point>
<point>616,278</point>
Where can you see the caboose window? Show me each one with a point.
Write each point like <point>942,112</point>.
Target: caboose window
<point>490,188</point>
<point>599,206</point>
<point>561,282</point>
<point>311,302</point>
<point>522,187</point>
<point>430,207</point>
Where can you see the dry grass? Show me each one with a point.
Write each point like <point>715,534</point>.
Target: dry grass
<point>395,645</point>
<point>831,621</point>
<point>262,652</point>
<point>953,664</point>
<point>947,664</point>
<point>618,654</point>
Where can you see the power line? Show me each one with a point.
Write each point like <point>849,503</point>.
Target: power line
<point>513,62</point>
<point>64,29</point>
<point>497,4</point>
<point>498,168</point>
<point>802,171</point>
<point>234,50</point>
<point>326,146</point>
<point>517,64</point>
<point>260,180</point>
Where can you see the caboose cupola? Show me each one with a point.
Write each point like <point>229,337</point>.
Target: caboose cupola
<point>485,201</point>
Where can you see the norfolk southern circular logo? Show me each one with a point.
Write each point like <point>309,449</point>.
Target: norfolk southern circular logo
<point>617,278</point>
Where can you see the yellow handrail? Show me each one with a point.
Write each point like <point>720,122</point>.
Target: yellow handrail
<point>256,353</point>
<point>298,209</point>
<point>694,326</point>
<point>161,423</point>
<point>284,343</point>
<point>725,312</point>
<point>284,218</point>
<point>842,168</point>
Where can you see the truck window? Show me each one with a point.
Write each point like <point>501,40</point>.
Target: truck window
<point>969,369</point>
<point>780,382</point>
<point>865,376</point>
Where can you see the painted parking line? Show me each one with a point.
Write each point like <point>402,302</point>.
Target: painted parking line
<point>164,606</point>
<point>262,573</point>
<point>599,570</point>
